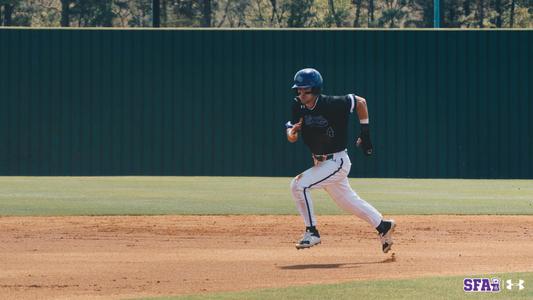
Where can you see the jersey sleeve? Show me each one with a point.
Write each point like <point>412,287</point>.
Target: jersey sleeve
<point>350,102</point>
<point>296,114</point>
<point>346,102</point>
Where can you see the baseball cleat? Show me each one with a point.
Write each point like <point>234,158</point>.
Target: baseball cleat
<point>386,237</point>
<point>308,240</point>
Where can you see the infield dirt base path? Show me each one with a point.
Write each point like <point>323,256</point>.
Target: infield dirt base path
<point>120,257</point>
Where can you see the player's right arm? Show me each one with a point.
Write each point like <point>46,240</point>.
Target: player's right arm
<point>292,131</point>
<point>294,126</point>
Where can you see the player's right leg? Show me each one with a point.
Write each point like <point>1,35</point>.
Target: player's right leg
<point>316,177</point>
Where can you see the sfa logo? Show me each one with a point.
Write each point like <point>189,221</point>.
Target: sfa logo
<point>481,285</point>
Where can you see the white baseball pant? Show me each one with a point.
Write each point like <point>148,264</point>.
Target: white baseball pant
<point>331,175</point>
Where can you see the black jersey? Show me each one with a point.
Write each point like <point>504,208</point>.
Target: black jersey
<point>325,126</point>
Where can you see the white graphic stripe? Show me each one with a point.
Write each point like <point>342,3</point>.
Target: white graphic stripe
<point>353,102</point>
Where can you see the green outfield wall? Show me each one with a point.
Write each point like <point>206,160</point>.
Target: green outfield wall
<point>444,104</point>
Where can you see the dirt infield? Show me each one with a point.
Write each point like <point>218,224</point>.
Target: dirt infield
<point>118,257</point>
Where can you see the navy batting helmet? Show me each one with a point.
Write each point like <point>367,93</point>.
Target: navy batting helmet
<point>308,78</point>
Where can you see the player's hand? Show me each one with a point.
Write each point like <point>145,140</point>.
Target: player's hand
<point>297,127</point>
<point>292,133</point>
<point>363,141</point>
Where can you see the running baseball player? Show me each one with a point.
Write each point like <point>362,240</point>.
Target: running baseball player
<point>322,121</point>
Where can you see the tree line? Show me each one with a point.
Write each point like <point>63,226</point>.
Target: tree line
<point>266,13</point>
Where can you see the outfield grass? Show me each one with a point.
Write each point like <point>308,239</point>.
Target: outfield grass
<point>423,288</point>
<point>45,196</point>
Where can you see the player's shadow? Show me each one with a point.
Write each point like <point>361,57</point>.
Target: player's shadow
<point>337,266</point>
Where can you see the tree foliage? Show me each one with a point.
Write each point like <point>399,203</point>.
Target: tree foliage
<point>267,13</point>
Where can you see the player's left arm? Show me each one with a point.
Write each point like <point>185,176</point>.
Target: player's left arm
<point>363,141</point>
<point>362,109</point>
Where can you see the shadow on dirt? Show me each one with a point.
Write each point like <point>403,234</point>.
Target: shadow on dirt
<point>335,266</point>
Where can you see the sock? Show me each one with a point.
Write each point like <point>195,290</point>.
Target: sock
<point>383,227</point>
<point>313,230</point>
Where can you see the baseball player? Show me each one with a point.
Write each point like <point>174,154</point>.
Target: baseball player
<point>322,121</point>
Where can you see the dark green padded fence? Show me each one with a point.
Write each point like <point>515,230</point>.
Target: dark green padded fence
<point>208,102</point>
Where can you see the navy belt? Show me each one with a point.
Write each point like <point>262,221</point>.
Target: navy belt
<point>322,157</point>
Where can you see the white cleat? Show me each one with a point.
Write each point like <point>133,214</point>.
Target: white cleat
<point>386,238</point>
<point>308,241</point>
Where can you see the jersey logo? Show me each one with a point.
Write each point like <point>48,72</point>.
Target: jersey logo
<point>316,121</point>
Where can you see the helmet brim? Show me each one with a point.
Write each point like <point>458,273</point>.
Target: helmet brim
<point>301,86</point>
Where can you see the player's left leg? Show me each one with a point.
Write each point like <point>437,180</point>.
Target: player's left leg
<point>346,198</point>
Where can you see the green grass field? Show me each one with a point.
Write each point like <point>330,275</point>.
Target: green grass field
<point>59,196</point>
<point>424,288</point>
<point>45,196</point>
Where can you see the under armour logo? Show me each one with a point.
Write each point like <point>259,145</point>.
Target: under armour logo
<point>510,284</point>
